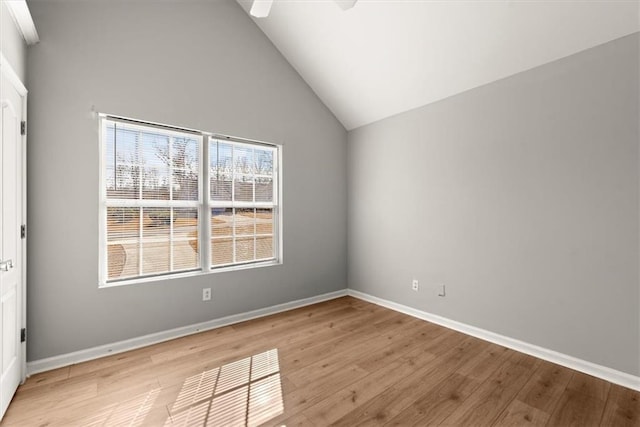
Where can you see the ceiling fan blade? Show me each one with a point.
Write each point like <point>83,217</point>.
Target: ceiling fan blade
<point>261,8</point>
<point>346,4</point>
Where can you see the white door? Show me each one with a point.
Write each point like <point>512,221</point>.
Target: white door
<point>11,254</point>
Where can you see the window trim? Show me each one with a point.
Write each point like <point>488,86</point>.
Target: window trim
<point>233,204</point>
<point>203,204</point>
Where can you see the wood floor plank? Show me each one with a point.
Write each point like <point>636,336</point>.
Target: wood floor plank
<point>344,401</point>
<point>589,385</point>
<point>577,409</point>
<point>485,405</point>
<point>347,353</point>
<point>312,363</point>
<point>445,387</point>
<point>544,388</point>
<point>298,420</point>
<point>316,371</point>
<point>394,400</point>
<point>190,344</point>
<point>622,408</point>
<point>482,366</point>
<point>582,403</point>
<point>305,316</point>
<point>519,413</point>
<point>131,408</point>
<point>43,401</point>
<point>433,407</point>
<point>328,339</point>
<point>300,399</point>
<point>249,341</point>
<point>398,348</point>
<point>44,378</point>
<point>344,361</point>
<point>112,363</point>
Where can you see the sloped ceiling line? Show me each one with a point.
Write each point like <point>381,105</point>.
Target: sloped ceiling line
<point>382,58</point>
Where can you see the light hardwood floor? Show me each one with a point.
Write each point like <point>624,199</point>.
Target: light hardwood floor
<point>343,362</point>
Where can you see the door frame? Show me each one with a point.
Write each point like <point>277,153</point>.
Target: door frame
<point>7,71</point>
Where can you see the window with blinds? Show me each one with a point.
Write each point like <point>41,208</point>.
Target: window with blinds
<point>180,201</point>
<point>242,199</point>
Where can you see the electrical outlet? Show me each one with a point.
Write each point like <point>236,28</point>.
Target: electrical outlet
<point>414,285</point>
<point>206,294</point>
<point>441,290</point>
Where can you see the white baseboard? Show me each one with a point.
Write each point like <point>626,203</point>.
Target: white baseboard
<point>607,374</point>
<point>121,346</point>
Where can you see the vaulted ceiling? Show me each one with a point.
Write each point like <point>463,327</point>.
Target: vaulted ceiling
<point>384,57</point>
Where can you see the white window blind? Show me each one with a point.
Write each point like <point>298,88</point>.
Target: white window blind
<point>152,180</point>
<point>243,204</point>
<point>162,203</point>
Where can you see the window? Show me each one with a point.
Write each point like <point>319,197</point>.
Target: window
<point>242,202</point>
<point>166,211</point>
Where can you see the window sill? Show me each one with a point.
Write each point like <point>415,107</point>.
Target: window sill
<point>188,274</point>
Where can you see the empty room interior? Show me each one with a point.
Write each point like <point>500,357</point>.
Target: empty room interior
<point>320,212</point>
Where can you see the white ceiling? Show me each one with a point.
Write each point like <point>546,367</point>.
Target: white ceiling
<point>385,57</point>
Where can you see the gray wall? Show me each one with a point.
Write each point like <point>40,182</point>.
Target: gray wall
<point>12,44</point>
<point>522,197</point>
<point>199,64</point>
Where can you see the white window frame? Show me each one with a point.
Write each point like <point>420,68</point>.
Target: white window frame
<point>233,204</point>
<point>204,204</point>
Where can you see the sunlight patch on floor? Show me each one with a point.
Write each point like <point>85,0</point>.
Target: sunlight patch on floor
<point>244,392</point>
<point>131,412</point>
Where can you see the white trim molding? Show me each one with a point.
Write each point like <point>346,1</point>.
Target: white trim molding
<point>24,21</point>
<point>608,374</point>
<point>54,362</point>
<point>11,75</point>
